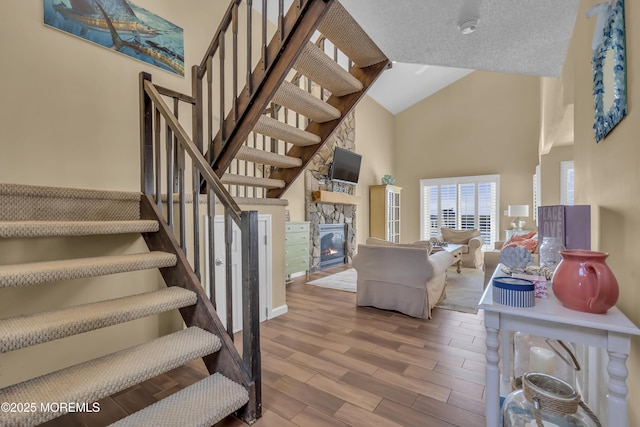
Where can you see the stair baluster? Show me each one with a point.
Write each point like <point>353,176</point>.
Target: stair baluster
<point>245,370</point>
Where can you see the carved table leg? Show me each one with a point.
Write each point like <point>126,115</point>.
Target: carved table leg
<point>492,377</point>
<point>618,390</point>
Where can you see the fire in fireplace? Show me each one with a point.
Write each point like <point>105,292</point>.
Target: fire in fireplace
<point>332,245</point>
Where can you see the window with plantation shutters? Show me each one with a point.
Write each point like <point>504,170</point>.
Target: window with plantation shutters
<point>462,203</point>
<point>566,183</point>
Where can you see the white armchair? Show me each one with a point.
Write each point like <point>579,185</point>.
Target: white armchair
<point>405,278</point>
<point>471,241</point>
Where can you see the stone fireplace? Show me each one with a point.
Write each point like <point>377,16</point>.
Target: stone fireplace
<point>322,213</point>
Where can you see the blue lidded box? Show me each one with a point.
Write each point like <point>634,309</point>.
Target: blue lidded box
<point>514,292</point>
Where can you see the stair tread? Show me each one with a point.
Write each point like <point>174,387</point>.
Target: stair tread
<point>320,68</point>
<point>95,379</point>
<point>347,35</point>
<point>202,404</point>
<point>263,157</point>
<point>15,275</point>
<point>29,202</point>
<point>15,229</point>
<point>301,101</point>
<point>27,330</point>
<point>66,192</point>
<point>251,181</point>
<point>282,131</point>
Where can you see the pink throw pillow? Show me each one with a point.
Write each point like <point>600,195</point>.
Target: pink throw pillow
<point>525,239</point>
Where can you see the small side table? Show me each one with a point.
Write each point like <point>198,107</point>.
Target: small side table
<point>548,318</point>
<point>453,249</point>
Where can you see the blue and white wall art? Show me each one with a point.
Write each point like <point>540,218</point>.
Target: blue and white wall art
<point>122,26</point>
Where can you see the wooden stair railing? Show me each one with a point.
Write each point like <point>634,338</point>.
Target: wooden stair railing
<point>235,108</point>
<point>257,109</point>
<point>276,59</point>
<point>160,126</point>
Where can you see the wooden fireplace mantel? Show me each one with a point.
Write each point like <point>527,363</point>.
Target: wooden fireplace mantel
<point>322,196</point>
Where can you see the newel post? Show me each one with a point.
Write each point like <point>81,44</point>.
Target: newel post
<point>251,302</point>
<point>146,137</point>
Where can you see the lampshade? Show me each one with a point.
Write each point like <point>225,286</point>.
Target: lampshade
<point>518,210</point>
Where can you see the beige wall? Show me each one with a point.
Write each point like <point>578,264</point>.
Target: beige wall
<point>485,123</point>
<point>71,107</point>
<point>550,173</point>
<point>375,141</point>
<point>607,177</point>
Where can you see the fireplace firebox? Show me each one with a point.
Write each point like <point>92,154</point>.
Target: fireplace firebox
<point>332,245</point>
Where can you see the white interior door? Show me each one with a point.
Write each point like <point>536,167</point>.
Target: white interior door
<point>264,268</point>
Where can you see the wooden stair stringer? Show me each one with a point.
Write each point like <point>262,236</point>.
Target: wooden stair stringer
<point>226,361</point>
<point>345,104</point>
<point>300,24</point>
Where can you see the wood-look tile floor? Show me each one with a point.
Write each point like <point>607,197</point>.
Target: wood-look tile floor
<point>327,362</point>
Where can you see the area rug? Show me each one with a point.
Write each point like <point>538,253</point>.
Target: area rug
<point>344,281</point>
<point>464,290</point>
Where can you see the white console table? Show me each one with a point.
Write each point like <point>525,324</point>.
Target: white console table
<point>548,318</point>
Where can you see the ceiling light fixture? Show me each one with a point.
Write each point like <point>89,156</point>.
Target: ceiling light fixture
<point>468,26</point>
<point>469,16</point>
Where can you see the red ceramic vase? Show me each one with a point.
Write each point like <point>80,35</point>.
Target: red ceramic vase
<point>584,282</point>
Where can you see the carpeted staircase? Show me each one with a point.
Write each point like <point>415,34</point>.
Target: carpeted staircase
<point>305,108</point>
<point>34,212</point>
<point>320,94</point>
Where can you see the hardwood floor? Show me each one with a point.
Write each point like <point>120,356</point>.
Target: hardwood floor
<point>329,363</point>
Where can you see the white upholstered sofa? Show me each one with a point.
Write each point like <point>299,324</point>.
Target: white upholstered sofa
<point>401,277</point>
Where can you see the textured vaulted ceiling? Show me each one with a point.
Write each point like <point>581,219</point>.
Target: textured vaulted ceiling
<point>513,36</point>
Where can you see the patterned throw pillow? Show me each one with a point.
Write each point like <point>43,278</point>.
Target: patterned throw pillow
<point>528,240</point>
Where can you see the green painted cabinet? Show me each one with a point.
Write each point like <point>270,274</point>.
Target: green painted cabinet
<point>296,247</point>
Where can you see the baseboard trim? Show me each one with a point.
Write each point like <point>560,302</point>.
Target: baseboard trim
<point>278,311</point>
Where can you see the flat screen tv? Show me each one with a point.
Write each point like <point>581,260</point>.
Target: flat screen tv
<point>346,166</point>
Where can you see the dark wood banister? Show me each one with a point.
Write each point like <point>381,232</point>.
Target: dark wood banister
<point>298,26</point>
<point>245,371</point>
<point>204,168</point>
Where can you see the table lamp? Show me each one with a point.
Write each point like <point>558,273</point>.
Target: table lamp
<point>518,211</point>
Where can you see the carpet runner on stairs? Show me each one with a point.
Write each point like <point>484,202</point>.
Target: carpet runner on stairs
<point>332,83</point>
<point>201,405</point>
<point>45,213</point>
<point>98,378</point>
<point>50,271</point>
<point>39,212</point>
<point>32,329</point>
<point>24,229</point>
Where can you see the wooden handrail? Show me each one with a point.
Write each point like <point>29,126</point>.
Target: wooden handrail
<point>155,116</point>
<point>204,168</point>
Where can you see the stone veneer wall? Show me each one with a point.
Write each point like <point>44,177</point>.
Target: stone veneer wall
<point>316,179</point>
